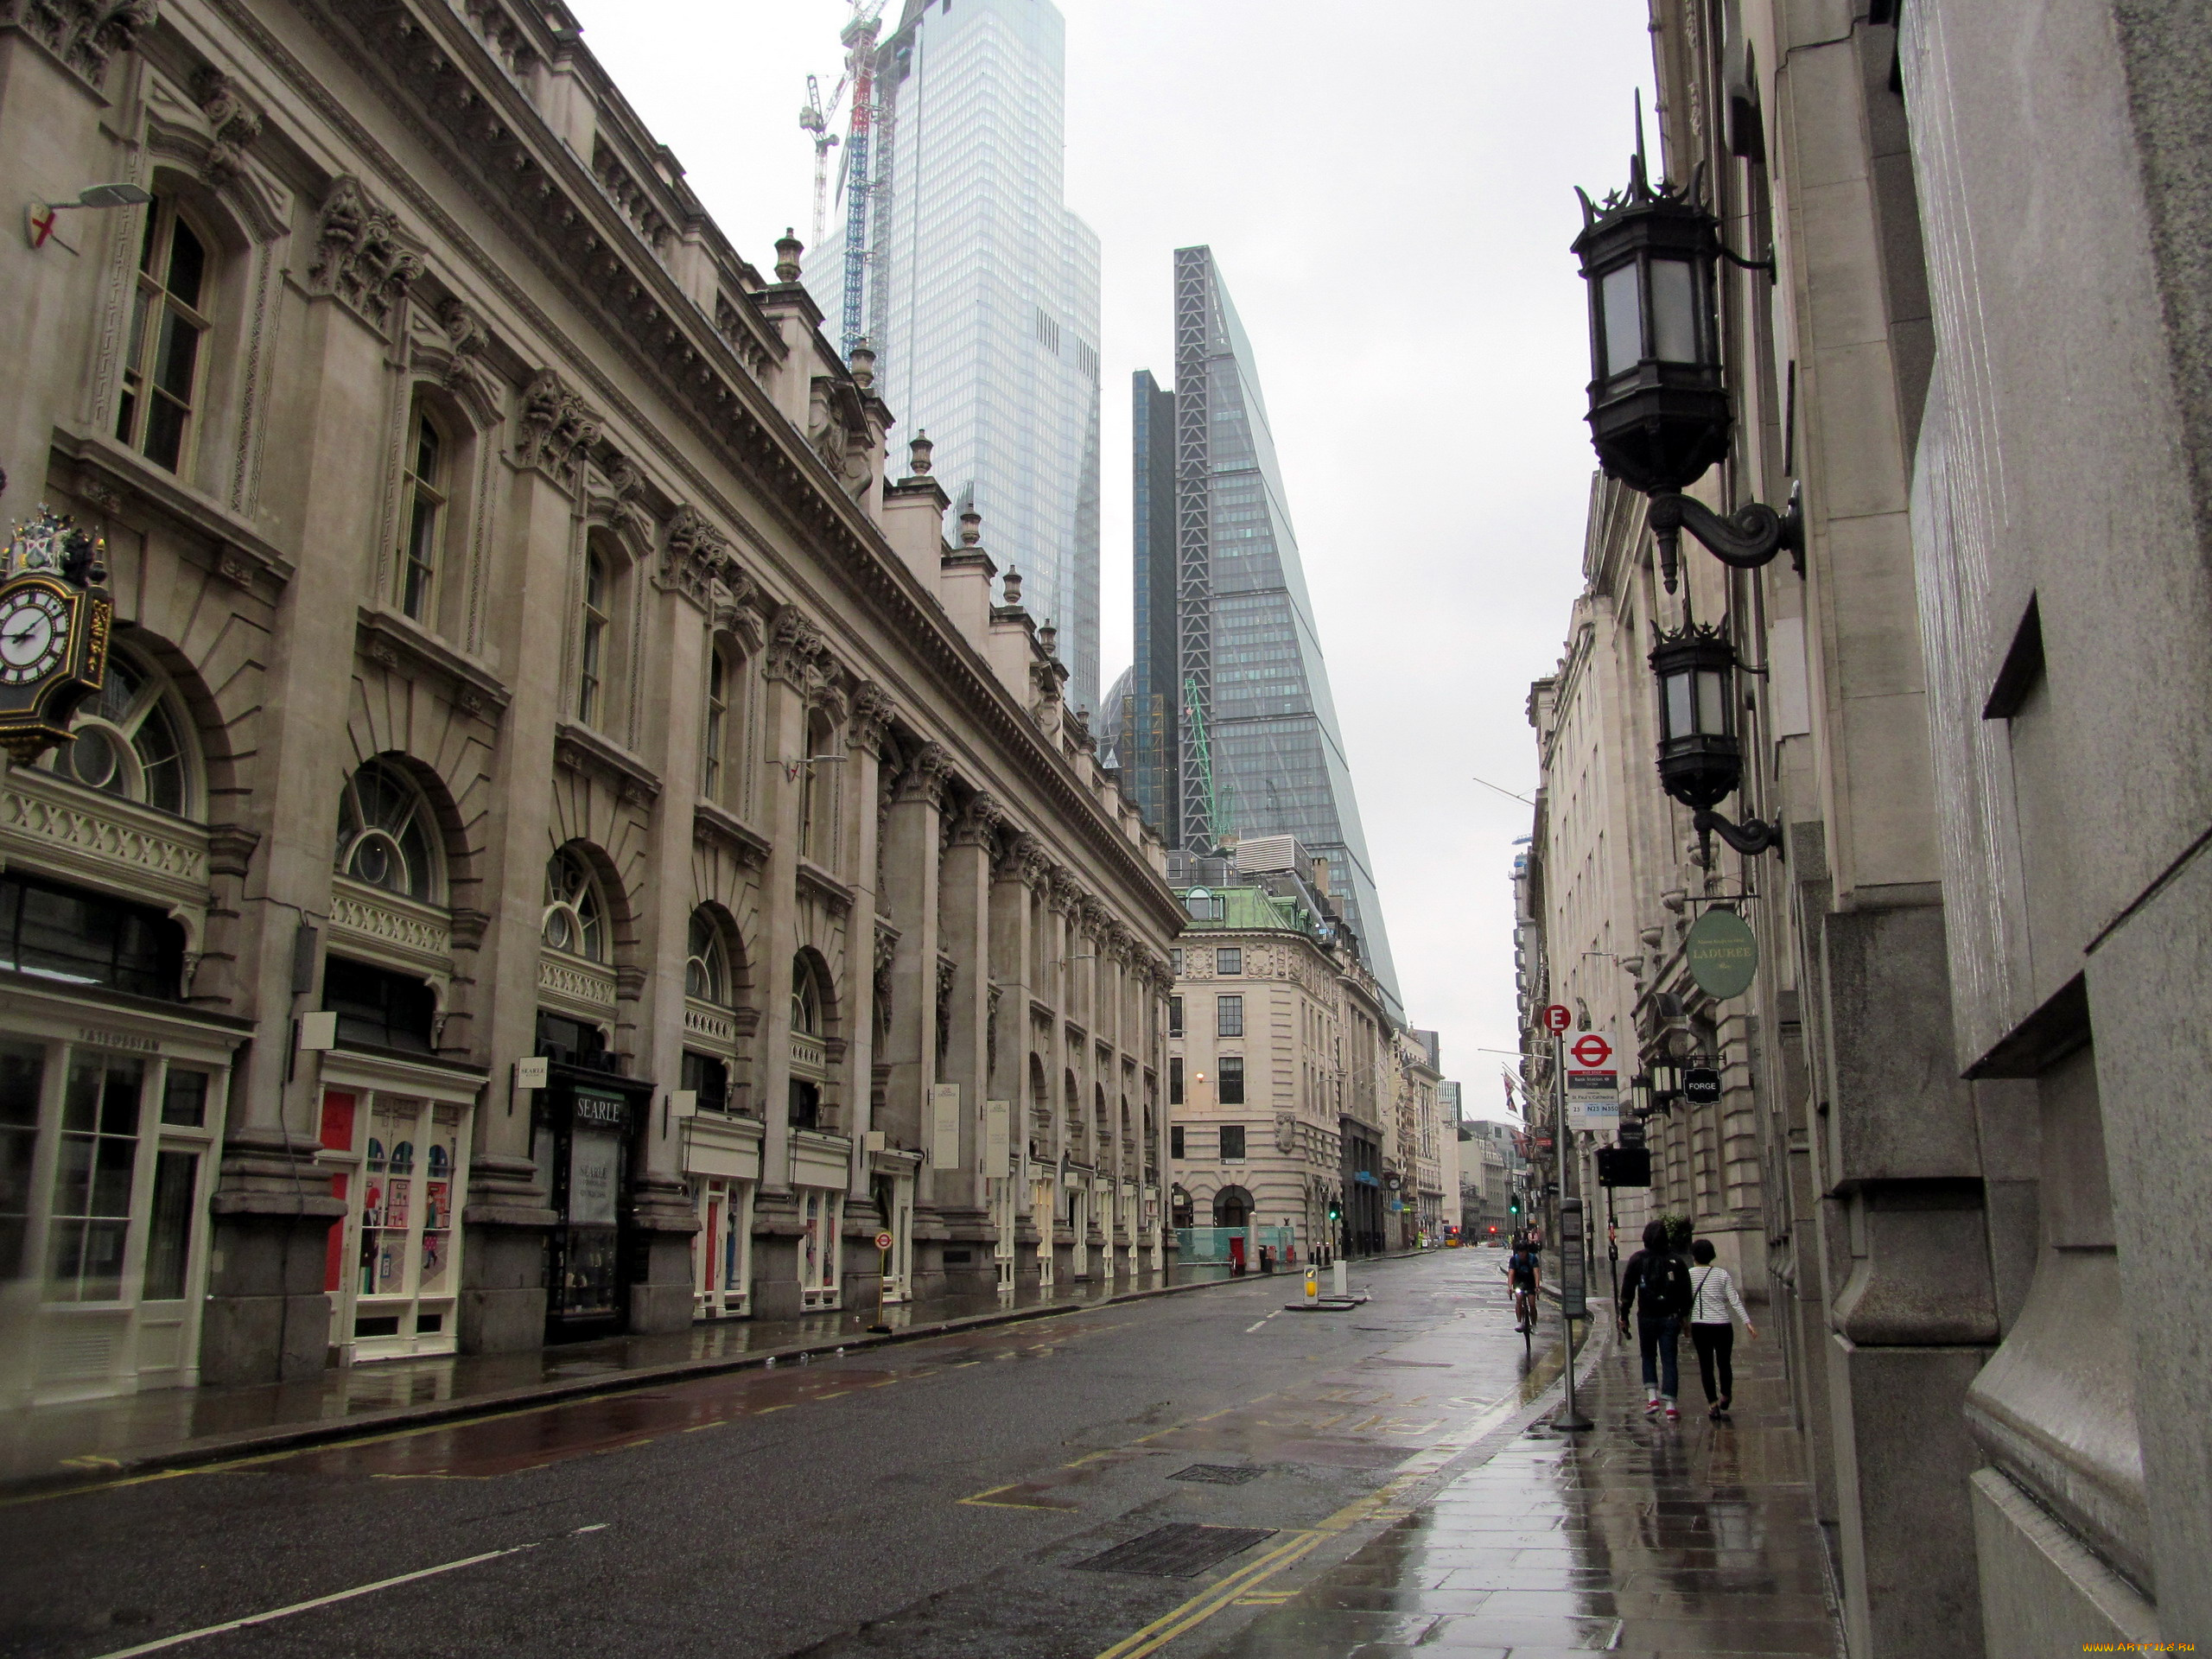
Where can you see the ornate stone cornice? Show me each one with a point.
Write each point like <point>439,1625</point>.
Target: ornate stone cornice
<point>556,428</point>
<point>928,770</point>
<point>713,827</point>
<point>359,257</point>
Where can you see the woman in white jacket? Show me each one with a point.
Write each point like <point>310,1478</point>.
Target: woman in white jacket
<point>1713,1299</point>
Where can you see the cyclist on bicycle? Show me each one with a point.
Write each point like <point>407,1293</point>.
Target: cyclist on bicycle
<point>1523,1272</point>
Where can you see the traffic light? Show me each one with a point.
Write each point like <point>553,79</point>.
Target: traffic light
<point>1336,1211</point>
<point>1513,1205</point>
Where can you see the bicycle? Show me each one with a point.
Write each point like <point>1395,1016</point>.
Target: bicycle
<point>1524,1312</point>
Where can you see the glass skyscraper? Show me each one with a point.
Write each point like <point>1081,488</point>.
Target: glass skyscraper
<point>982,294</point>
<point>1228,726</point>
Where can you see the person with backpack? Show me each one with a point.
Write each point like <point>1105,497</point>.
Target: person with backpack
<point>1657,1284</point>
<point>1712,1333</point>
<point>1522,1275</point>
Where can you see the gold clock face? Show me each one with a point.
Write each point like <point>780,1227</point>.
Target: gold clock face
<point>34,637</point>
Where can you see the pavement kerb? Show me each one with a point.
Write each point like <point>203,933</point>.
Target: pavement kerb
<point>286,1437</point>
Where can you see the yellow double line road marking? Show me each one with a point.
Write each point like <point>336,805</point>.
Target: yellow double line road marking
<point>1238,1588</point>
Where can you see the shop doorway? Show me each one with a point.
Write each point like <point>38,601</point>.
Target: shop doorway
<point>583,1135</point>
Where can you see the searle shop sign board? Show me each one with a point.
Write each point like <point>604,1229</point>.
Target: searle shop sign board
<point>1722,953</point>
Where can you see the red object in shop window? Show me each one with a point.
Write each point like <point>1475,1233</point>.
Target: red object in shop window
<point>333,1259</point>
<point>337,1136</point>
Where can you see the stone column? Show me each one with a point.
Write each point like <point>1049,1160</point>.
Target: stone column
<point>793,673</point>
<point>1013,966</point>
<point>507,1212</point>
<point>965,909</point>
<point>866,732</point>
<point>267,1319</point>
<point>912,848</point>
<point>673,670</point>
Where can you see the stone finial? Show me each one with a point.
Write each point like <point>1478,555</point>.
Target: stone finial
<point>971,528</point>
<point>918,453</point>
<point>862,364</point>
<point>1049,637</point>
<point>1012,586</point>
<point>788,249</point>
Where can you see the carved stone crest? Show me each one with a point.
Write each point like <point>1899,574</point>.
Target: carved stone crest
<point>798,654</point>
<point>358,256</point>
<point>465,375</point>
<point>873,712</point>
<point>83,34</point>
<point>234,123</point>
<point>927,774</point>
<point>977,821</point>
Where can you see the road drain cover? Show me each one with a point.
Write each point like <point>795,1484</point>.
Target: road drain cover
<point>1176,1552</point>
<point>1221,1474</point>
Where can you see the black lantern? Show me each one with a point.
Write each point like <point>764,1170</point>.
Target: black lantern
<point>1666,1084</point>
<point>1700,759</point>
<point>1659,415</point>
<point>1659,411</point>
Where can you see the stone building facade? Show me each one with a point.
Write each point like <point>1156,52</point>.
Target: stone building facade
<point>567,845</point>
<point>1269,993</point>
<point>1974,1053</point>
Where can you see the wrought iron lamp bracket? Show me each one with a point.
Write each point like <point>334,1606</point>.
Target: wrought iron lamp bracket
<point>1746,539</point>
<point>1751,837</point>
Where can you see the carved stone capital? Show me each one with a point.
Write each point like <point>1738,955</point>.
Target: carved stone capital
<point>83,34</point>
<point>556,428</point>
<point>872,714</point>
<point>692,553</point>
<point>977,822</point>
<point>798,654</point>
<point>928,771</point>
<point>360,256</point>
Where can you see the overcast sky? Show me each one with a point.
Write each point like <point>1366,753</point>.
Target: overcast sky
<point>1389,191</point>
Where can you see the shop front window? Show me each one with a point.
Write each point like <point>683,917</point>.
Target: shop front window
<point>22,1075</point>
<point>81,938</point>
<point>89,1226</point>
<point>402,1276</point>
<point>822,1214</point>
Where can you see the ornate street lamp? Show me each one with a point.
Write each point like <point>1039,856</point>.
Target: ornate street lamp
<point>1700,758</point>
<point>1659,411</point>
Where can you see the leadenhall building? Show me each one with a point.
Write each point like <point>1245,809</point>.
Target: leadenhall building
<point>564,840</point>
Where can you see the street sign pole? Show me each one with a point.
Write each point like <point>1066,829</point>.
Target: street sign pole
<point>883,1242</point>
<point>1571,1290</point>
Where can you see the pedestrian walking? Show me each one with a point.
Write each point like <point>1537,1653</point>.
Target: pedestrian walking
<point>1657,1284</point>
<point>1714,1305</point>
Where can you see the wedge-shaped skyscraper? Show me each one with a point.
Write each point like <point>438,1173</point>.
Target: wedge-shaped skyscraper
<point>1227,726</point>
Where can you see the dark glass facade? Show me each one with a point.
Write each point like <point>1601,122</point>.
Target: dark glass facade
<point>1226,648</point>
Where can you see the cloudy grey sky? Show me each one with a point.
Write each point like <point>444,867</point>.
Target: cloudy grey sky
<point>1388,188</point>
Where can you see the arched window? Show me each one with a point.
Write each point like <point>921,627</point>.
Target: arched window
<point>132,739</point>
<point>716,734</point>
<point>424,516</point>
<point>806,998</point>
<point>817,809</point>
<point>591,639</point>
<point>385,836</point>
<point>575,918</point>
<point>168,323</point>
<point>706,969</point>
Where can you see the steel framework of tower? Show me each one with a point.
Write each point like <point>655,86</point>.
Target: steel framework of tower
<point>1198,833</point>
<point>859,39</point>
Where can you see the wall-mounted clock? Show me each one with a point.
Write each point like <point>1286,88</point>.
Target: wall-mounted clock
<point>54,616</point>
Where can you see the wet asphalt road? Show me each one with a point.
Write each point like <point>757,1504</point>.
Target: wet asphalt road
<point>929,1499</point>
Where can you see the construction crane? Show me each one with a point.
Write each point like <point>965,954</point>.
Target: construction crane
<point>858,39</point>
<point>814,118</point>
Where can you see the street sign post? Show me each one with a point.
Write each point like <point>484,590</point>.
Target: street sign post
<point>1573,1304</point>
<point>883,1242</point>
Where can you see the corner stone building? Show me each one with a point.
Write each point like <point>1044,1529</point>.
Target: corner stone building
<point>521,653</point>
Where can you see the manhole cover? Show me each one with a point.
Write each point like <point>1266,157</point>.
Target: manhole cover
<point>1221,1474</point>
<point>1177,1552</point>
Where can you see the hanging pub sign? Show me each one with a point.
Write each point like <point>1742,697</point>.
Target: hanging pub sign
<point>54,616</point>
<point>1722,953</point>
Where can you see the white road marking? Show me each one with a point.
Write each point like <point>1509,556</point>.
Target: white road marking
<point>251,1619</point>
<point>1249,1329</point>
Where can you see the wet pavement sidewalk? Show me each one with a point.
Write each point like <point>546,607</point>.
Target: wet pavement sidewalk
<point>1641,1536</point>
<point>100,1439</point>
